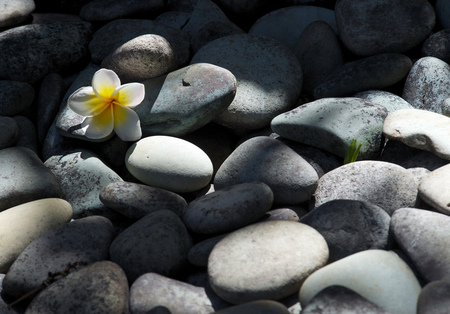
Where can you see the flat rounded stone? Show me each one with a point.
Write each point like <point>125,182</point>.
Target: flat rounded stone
<point>434,298</point>
<point>422,235</point>
<point>229,208</point>
<point>186,99</point>
<point>426,84</point>
<point>433,189</point>
<point>261,66</point>
<point>268,160</point>
<point>384,184</point>
<point>150,291</point>
<point>159,242</point>
<point>363,25</point>
<point>374,72</point>
<point>287,24</point>
<point>15,11</point>
<point>83,240</point>
<point>142,58</point>
<point>169,163</point>
<point>350,226</point>
<point>420,129</point>
<point>21,224</point>
<point>100,287</point>
<point>256,307</point>
<point>9,132</point>
<point>29,54</point>
<point>102,43</point>
<point>388,100</point>
<point>137,200</point>
<point>339,299</point>
<point>106,10</point>
<point>82,175</point>
<point>437,45</point>
<point>353,118</point>
<point>25,178</point>
<point>379,276</point>
<point>265,261</point>
<point>15,97</point>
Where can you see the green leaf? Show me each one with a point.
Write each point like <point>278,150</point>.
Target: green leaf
<point>352,152</point>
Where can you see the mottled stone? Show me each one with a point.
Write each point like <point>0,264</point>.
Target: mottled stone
<point>434,298</point>
<point>379,276</point>
<point>331,124</point>
<point>106,10</point>
<point>363,25</point>
<point>438,46</point>
<point>15,11</point>
<point>265,261</point>
<point>384,184</point>
<point>388,100</point>
<point>267,160</point>
<point>100,287</point>
<point>20,225</point>
<point>15,97</point>
<point>374,72</point>
<point>159,242</point>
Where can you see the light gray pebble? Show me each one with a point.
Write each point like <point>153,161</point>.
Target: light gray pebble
<point>269,161</point>
<point>142,58</point>
<point>15,12</point>
<point>100,287</point>
<point>159,242</point>
<point>293,213</point>
<point>229,208</point>
<point>137,200</point>
<point>433,189</point>
<point>83,240</point>
<point>15,97</point>
<point>9,132</point>
<point>384,184</point>
<point>27,136</point>
<point>388,100</point>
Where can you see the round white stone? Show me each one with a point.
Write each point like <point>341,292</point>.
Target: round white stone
<point>169,163</point>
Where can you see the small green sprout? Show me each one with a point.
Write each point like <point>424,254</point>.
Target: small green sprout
<point>352,152</point>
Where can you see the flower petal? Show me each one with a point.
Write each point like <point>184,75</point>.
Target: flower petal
<point>104,83</point>
<point>126,123</point>
<point>85,102</point>
<point>129,95</point>
<point>99,126</point>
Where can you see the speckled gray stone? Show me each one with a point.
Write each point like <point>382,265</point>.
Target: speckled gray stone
<point>15,97</point>
<point>159,242</point>
<point>381,183</point>
<point>106,10</point>
<point>388,100</point>
<point>433,189</point>
<point>100,287</point>
<point>267,160</point>
<point>15,12</point>
<point>332,123</point>
<point>426,84</point>
<point>437,45</point>
<point>83,240</point>
<point>24,178</point>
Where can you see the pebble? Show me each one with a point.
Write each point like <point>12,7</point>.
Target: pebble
<point>381,277</point>
<point>421,235</point>
<point>212,31</point>
<point>433,189</point>
<point>238,274</point>
<point>388,100</point>
<point>426,84</point>
<point>228,209</point>
<point>269,161</point>
<point>106,10</point>
<point>83,240</point>
<point>15,97</point>
<point>29,54</point>
<point>374,72</point>
<point>9,132</point>
<point>256,307</point>
<point>15,12</point>
<point>363,25</point>
<point>420,129</point>
<point>293,213</point>
<point>352,118</point>
<point>350,226</point>
<point>434,298</point>
<point>152,290</point>
<point>24,178</point>
<point>169,163</point>
<point>261,66</point>
<point>159,242</point>
<point>185,99</point>
<point>102,43</point>
<point>287,24</point>
<point>137,200</point>
<point>27,136</point>
<point>81,176</point>
<point>339,299</point>
<point>176,19</point>
<point>142,58</point>
<point>437,46</point>
<point>384,184</point>
<point>100,287</point>
<point>21,224</point>
<point>199,253</point>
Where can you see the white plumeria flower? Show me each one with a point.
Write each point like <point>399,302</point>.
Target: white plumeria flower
<point>106,105</point>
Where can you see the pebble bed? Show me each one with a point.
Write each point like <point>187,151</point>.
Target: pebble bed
<point>236,199</point>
